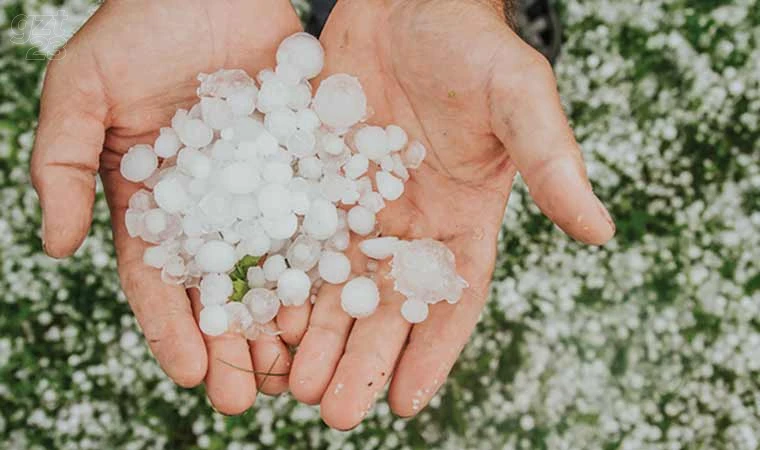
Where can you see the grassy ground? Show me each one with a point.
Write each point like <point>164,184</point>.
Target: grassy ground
<point>651,342</point>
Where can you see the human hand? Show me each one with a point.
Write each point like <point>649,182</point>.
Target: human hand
<point>123,76</point>
<point>486,106</point>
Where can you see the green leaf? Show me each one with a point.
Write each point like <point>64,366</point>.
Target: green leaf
<point>239,276</point>
<point>240,288</point>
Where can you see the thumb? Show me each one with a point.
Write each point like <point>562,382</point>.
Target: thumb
<point>527,117</point>
<point>66,150</point>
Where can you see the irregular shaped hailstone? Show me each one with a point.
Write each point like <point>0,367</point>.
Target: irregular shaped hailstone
<point>360,297</point>
<point>340,101</point>
<point>304,52</point>
<point>425,270</point>
<point>224,83</point>
<point>139,163</point>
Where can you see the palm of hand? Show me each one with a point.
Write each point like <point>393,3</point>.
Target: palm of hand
<point>429,67</point>
<point>124,75</point>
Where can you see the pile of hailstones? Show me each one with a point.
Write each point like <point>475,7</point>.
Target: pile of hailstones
<point>268,171</point>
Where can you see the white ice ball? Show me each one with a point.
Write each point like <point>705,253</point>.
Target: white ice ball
<point>302,143</point>
<point>167,143</point>
<point>139,163</point>
<point>240,178</point>
<point>293,287</point>
<point>277,172</point>
<point>155,221</point>
<point>360,297</point>
<point>322,219</point>
<point>195,133</point>
<point>273,94</point>
<point>215,289</point>
<point>307,120</point>
<point>361,220</point>
<point>340,101</point>
<point>216,256</point>
<point>274,200</point>
<point>170,195</point>
<point>414,311</point>
<point>274,266</point>
<point>310,168</point>
<point>379,248</point>
<point>334,267</point>
<point>356,166</point>
<point>213,320</point>
<point>397,137</point>
<point>281,123</point>
<point>216,113</point>
<point>263,304</point>
<point>372,142</point>
<point>194,162</point>
<point>389,186</point>
<point>256,277</point>
<point>156,257</point>
<point>414,155</point>
<point>303,51</point>
<point>280,227</point>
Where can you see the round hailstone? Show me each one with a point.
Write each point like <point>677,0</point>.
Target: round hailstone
<point>194,162</point>
<point>356,166</point>
<point>360,297</point>
<point>195,133</point>
<point>282,227</point>
<point>246,207</point>
<point>340,240</point>
<point>414,311</point>
<point>263,304</point>
<point>293,287</point>
<point>274,200</point>
<point>300,96</point>
<point>216,113</point>
<point>288,74</point>
<point>139,163</point>
<point>372,201</point>
<point>397,137</point>
<point>340,101</point>
<point>303,253</point>
<point>307,120</point>
<point>281,123</point>
<point>302,143</point>
<point>243,101</point>
<point>372,142</point>
<point>257,245</point>
<point>386,163</point>
<point>379,248</point>
<point>216,256</point>
<point>266,144</point>
<point>256,277</point>
<point>333,144</point>
<point>167,143</point>
<point>213,320</point>
<point>274,266</point>
<point>321,221</point>
<point>240,178</point>
<point>277,172</point>
<point>334,267</point>
<point>170,195</point>
<point>414,155</point>
<point>155,221</point>
<point>141,200</point>
<point>215,289</point>
<point>191,245</point>
<point>133,220</point>
<point>389,186</point>
<point>303,51</point>
<point>156,257</point>
<point>300,202</point>
<point>273,94</point>
<point>361,220</point>
<point>310,168</point>
<point>247,128</point>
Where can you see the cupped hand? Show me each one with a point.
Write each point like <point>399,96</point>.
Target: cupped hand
<point>486,106</point>
<point>121,79</point>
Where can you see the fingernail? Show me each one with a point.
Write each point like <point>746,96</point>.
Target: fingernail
<point>606,214</point>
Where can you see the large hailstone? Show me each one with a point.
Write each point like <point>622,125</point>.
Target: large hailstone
<point>304,52</point>
<point>340,101</point>
<point>293,287</point>
<point>139,163</point>
<point>360,297</point>
<point>425,270</point>
<point>263,304</point>
<point>213,320</point>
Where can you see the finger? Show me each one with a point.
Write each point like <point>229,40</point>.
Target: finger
<point>67,146</point>
<point>230,380</point>
<point>371,352</point>
<point>527,117</point>
<point>271,361</point>
<point>435,344</point>
<point>321,347</point>
<point>293,321</point>
<point>163,311</point>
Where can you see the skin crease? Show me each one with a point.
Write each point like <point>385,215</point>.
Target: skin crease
<point>124,75</point>
<point>485,105</point>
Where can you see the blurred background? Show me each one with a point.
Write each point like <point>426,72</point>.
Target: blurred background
<point>652,342</point>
